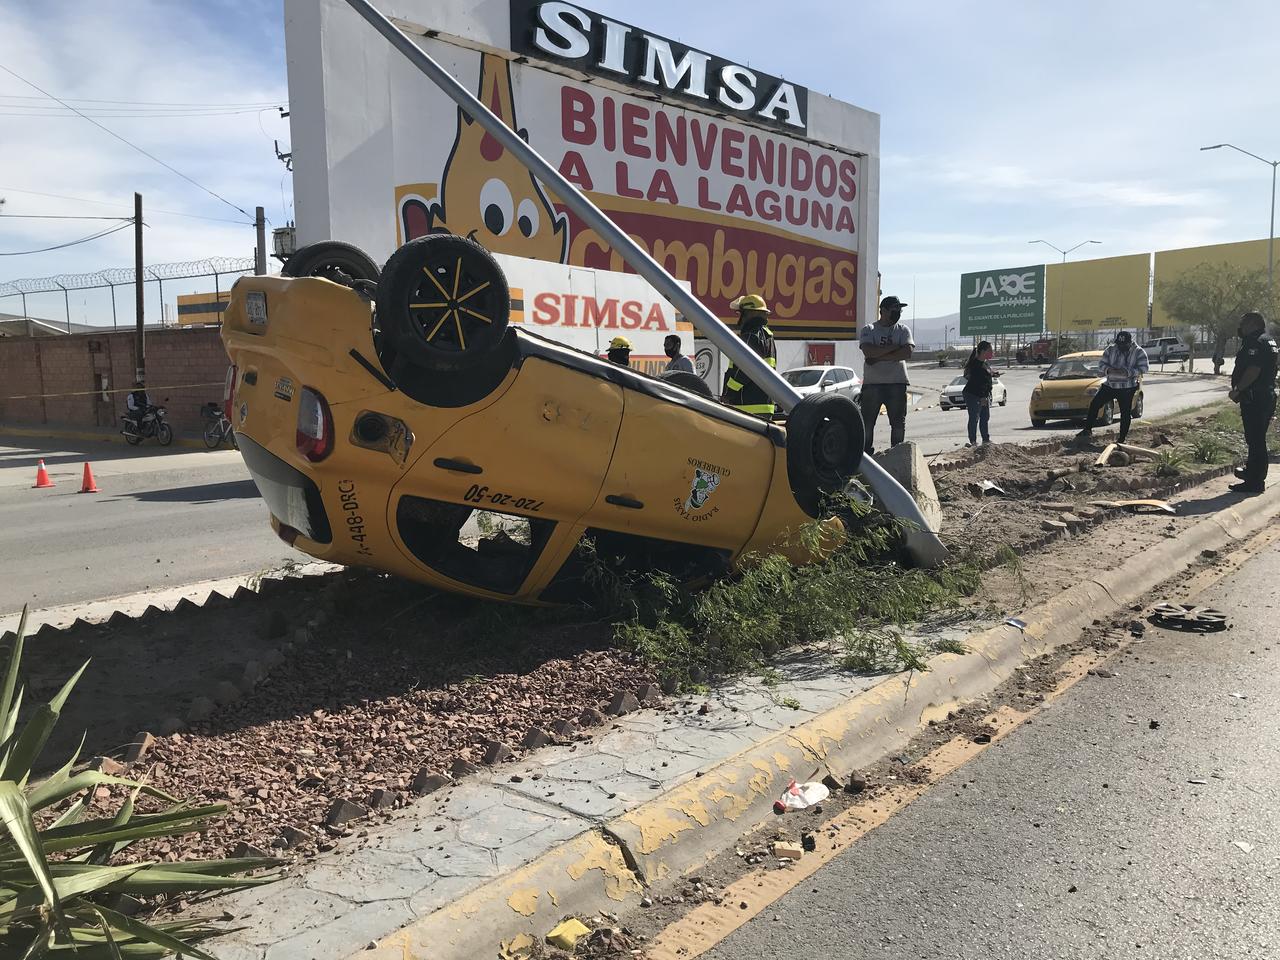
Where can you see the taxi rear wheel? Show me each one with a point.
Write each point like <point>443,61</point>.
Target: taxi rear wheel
<point>331,260</point>
<point>443,302</point>
<point>825,438</point>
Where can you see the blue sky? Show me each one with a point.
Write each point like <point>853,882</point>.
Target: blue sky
<point>1002,122</point>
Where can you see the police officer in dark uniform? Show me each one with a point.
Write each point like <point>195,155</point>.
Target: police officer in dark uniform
<point>1253,386</point>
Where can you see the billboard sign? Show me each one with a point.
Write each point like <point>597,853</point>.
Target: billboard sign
<point>585,309</point>
<point>995,302</point>
<point>626,54</point>
<point>733,180</point>
<point>1110,293</point>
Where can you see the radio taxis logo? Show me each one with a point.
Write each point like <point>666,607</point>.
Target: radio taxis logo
<point>486,194</point>
<point>704,484</point>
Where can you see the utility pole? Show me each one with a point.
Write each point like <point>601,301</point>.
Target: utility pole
<point>260,253</point>
<point>139,349</point>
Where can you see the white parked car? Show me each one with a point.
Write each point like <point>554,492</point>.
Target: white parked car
<point>953,394</point>
<point>1166,349</point>
<point>809,380</point>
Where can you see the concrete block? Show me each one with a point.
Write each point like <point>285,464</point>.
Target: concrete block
<point>906,464</point>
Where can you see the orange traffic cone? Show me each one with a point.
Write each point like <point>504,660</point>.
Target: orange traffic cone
<point>42,478</point>
<point>88,486</point>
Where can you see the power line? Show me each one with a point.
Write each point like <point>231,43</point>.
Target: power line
<point>54,216</point>
<point>107,203</point>
<point>152,156</point>
<point>148,103</point>
<point>35,113</point>
<point>71,243</point>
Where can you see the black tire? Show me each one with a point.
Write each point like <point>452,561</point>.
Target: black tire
<point>164,433</point>
<point>825,437</point>
<point>463,303</point>
<point>331,260</point>
<point>212,435</point>
<point>1037,424</point>
<point>687,381</point>
<point>132,439</point>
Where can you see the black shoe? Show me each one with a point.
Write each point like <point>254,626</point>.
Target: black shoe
<point>1246,486</point>
<point>1239,472</point>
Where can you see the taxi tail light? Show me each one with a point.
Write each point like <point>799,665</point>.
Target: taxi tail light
<point>228,391</point>
<point>315,426</point>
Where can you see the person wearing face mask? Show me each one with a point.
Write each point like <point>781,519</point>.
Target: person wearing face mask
<point>1253,386</point>
<point>677,361</point>
<point>620,351</point>
<point>977,392</point>
<point>1124,364</point>
<point>886,347</point>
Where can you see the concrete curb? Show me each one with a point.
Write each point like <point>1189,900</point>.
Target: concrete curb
<point>598,870</point>
<point>42,624</point>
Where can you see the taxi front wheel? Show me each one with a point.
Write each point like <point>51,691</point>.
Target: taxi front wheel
<point>825,437</point>
<point>443,302</point>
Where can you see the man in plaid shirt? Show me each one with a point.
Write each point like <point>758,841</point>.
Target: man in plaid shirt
<point>1123,365</point>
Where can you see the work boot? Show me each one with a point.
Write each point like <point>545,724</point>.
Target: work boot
<point>1247,486</point>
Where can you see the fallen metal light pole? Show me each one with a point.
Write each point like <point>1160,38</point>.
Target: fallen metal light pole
<point>924,545</point>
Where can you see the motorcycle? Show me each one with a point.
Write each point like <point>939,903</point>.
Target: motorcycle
<point>152,424</point>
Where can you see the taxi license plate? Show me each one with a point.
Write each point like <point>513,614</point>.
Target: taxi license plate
<point>1061,405</point>
<point>255,304</point>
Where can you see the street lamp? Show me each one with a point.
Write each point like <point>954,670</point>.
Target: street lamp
<point>1064,278</point>
<point>1271,232</point>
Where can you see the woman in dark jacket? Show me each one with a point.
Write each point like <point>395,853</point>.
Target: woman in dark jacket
<point>977,391</point>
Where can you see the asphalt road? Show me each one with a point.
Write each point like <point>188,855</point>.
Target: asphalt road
<point>1083,834</point>
<point>161,519</point>
<point>938,430</point>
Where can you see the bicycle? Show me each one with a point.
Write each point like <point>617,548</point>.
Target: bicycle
<point>218,429</point>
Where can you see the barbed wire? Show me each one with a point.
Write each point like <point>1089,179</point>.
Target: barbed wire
<point>124,276</point>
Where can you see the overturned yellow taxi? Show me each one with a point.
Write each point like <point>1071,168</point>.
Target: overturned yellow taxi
<point>393,419</point>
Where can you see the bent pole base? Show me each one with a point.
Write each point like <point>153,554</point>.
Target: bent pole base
<point>922,543</point>
<point>768,379</point>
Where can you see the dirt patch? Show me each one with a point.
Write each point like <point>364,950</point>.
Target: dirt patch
<point>397,681</point>
<point>144,670</point>
<point>340,724</point>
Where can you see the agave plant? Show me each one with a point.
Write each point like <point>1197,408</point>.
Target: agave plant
<point>59,890</point>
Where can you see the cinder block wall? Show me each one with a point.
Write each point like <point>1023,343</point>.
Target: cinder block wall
<point>53,380</point>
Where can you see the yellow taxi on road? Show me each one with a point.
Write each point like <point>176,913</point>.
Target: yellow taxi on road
<point>1068,387</point>
<point>393,419</point>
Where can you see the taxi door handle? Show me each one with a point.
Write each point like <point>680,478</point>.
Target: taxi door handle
<point>620,501</point>
<point>457,466</point>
